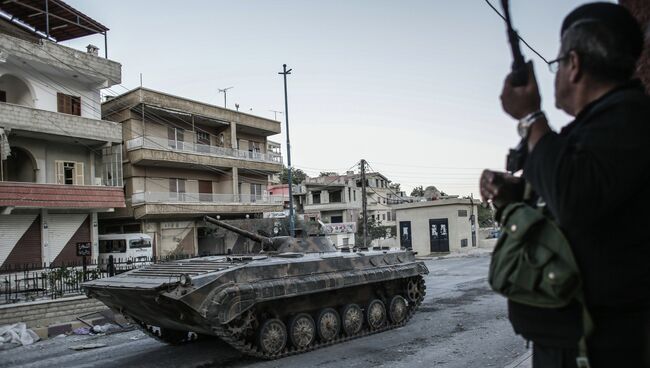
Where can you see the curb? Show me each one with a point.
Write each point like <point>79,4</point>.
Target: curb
<point>523,361</point>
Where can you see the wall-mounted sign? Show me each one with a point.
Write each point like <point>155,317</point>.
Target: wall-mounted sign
<point>340,228</point>
<point>84,249</point>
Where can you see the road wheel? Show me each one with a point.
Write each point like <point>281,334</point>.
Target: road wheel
<point>375,314</point>
<point>328,324</point>
<point>352,319</point>
<point>302,330</point>
<point>414,290</point>
<point>398,309</point>
<point>272,336</point>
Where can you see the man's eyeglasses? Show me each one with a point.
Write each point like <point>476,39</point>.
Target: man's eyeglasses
<point>554,65</point>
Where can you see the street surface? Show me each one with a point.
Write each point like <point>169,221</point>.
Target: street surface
<point>461,323</point>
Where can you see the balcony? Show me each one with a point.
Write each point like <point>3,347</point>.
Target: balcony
<point>151,149</point>
<point>34,195</point>
<point>332,206</point>
<point>42,122</point>
<point>170,203</point>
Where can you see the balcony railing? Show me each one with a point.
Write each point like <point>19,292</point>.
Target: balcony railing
<point>159,143</point>
<point>205,198</point>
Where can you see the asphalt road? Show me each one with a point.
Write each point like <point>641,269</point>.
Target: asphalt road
<point>461,323</point>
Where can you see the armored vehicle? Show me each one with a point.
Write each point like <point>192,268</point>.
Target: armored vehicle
<point>294,296</point>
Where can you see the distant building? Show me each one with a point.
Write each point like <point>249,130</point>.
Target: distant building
<point>60,164</point>
<point>186,159</point>
<point>444,225</point>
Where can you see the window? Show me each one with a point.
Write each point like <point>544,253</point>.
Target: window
<point>68,104</point>
<point>256,192</point>
<point>354,195</point>
<point>68,172</point>
<point>463,243</point>
<point>462,213</point>
<point>346,241</point>
<point>383,216</point>
<point>335,197</point>
<point>3,96</point>
<point>177,189</point>
<point>176,138</point>
<point>203,137</point>
<point>139,243</point>
<point>316,197</point>
<point>112,246</point>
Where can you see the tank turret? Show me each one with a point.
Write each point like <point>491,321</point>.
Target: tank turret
<point>280,244</point>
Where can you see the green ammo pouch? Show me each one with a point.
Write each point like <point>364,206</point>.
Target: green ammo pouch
<point>533,264</point>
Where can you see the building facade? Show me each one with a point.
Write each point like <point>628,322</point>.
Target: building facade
<point>443,225</point>
<point>184,159</point>
<point>60,164</point>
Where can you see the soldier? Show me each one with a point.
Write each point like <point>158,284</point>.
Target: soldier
<point>594,176</point>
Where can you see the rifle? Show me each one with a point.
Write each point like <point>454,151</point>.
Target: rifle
<point>518,77</point>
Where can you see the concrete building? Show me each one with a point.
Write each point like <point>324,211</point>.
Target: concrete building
<point>185,159</point>
<point>60,164</point>
<point>444,225</point>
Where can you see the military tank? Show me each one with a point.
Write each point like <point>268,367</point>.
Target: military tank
<point>296,295</point>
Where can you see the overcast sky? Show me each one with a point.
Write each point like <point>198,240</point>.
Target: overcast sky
<point>411,86</point>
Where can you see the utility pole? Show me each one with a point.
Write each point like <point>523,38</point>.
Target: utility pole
<point>225,92</point>
<point>364,203</point>
<point>292,225</point>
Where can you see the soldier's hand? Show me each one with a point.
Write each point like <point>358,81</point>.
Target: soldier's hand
<point>521,101</point>
<point>501,188</point>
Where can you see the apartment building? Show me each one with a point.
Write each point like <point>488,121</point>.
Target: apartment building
<point>185,159</point>
<point>60,164</point>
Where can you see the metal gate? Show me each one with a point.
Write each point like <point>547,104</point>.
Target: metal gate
<point>439,234</point>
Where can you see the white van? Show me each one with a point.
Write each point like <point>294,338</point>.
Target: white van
<point>125,248</point>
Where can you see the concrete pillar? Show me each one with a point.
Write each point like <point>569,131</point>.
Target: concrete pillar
<point>233,135</point>
<point>94,236</point>
<point>324,196</point>
<point>235,181</point>
<point>91,168</point>
<point>45,237</point>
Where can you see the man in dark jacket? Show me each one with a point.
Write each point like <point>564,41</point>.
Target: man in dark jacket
<point>594,176</point>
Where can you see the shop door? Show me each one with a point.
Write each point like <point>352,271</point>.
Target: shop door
<point>405,235</point>
<point>439,234</point>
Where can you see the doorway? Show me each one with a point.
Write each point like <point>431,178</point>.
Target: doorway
<point>405,235</point>
<point>439,235</point>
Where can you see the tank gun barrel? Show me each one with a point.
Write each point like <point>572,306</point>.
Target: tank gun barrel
<point>256,237</point>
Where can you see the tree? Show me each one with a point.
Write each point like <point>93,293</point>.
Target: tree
<point>328,173</point>
<point>297,176</point>
<point>395,187</point>
<point>417,191</point>
<point>485,215</point>
<point>375,230</point>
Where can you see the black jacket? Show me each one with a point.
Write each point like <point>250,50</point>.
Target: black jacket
<point>595,179</point>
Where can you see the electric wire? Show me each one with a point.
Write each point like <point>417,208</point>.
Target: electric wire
<point>520,38</point>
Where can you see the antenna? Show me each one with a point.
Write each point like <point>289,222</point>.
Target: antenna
<point>225,92</point>
<point>275,113</point>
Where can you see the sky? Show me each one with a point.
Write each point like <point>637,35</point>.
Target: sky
<point>410,86</point>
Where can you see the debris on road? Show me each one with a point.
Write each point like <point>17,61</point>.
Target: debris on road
<point>87,346</point>
<point>17,333</point>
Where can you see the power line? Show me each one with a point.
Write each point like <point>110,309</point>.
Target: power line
<point>520,38</point>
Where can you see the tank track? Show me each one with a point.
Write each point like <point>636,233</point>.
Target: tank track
<point>251,349</point>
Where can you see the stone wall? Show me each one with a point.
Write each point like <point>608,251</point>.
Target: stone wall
<point>49,312</point>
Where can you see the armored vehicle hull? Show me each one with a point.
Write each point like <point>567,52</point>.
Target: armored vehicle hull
<point>270,305</point>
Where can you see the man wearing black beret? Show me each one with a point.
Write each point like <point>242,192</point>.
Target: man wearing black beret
<point>594,176</point>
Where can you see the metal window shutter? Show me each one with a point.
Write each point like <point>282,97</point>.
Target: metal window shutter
<point>61,228</point>
<point>12,228</point>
